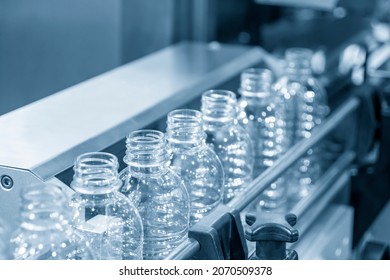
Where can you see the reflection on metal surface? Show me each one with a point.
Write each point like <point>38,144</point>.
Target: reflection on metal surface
<point>330,238</point>
<point>185,251</point>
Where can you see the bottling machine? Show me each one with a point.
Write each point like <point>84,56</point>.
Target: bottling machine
<point>345,217</point>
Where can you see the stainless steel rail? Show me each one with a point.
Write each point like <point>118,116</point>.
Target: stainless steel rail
<point>190,247</point>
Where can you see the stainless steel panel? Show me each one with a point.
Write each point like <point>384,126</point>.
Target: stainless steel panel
<point>330,238</point>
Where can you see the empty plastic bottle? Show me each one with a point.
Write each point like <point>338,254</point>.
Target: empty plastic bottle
<point>107,219</point>
<point>229,140</point>
<point>263,114</point>
<point>307,105</point>
<point>194,161</point>
<point>44,231</point>
<point>158,193</point>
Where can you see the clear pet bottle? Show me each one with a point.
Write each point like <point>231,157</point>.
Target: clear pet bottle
<point>44,231</point>
<point>103,216</point>
<point>264,115</point>
<point>158,193</point>
<point>229,140</point>
<point>194,161</point>
<point>308,108</point>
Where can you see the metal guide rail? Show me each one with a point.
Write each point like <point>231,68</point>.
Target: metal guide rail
<point>324,192</point>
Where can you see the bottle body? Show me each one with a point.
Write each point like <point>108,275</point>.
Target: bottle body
<point>308,102</point>
<point>103,216</point>
<point>44,232</point>
<point>228,139</point>
<point>195,162</point>
<point>263,114</point>
<point>158,193</point>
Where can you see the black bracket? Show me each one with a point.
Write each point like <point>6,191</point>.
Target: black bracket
<point>220,235</point>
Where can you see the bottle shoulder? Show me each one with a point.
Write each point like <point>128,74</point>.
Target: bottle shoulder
<point>236,136</point>
<point>160,183</point>
<point>114,199</point>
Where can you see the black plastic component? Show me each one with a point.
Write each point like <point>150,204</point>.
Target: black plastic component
<point>220,235</point>
<point>271,231</point>
<point>374,250</point>
<point>368,126</point>
<point>383,162</point>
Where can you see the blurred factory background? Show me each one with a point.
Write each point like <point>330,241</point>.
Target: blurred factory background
<point>46,46</point>
<point>50,45</point>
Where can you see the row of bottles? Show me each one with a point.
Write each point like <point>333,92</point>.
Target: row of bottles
<point>205,157</point>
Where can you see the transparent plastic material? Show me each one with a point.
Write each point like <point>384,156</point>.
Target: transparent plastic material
<point>44,231</point>
<point>158,193</point>
<point>229,140</point>
<point>103,216</point>
<point>4,240</point>
<point>307,103</point>
<point>264,115</point>
<point>194,161</point>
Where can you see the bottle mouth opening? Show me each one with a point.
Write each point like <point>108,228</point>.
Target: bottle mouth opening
<point>186,117</point>
<point>257,74</point>
<point>43,198</point>
<point>219,106</point>
<point>96,159</point>
<point>145,148</point>
<point>185,128</point>
<point>145,137</point>
<point>256,82</point>
<point>219,96</point>
<point>96,173</point>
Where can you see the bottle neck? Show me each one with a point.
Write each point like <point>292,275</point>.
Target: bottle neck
<point>298,63</point>
<point>219,109</point>
<point>95,174</point>
<point>43,207</point>
<point>185,130</point>
<point>146,153</point>
<point>256,83</point>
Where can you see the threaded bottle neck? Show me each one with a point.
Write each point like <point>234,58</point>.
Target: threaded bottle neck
<point>146,152</point>
<point>256,82</point>
<point>298,62</point>
<point>96,173</point>
<point>219,108</point>
<point>185,129</point>
<point>42,207</point>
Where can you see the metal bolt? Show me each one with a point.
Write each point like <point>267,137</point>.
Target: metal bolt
<point>7,182</point>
